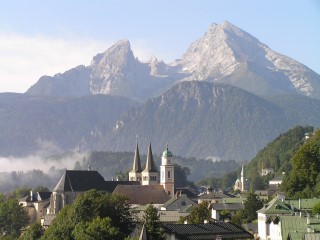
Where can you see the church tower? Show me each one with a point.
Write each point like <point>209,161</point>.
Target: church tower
<point>167,172</point>
<point>150,174</point>
<point>135,172</point>
<point>242,180</point>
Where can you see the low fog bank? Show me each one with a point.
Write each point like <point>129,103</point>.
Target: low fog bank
<point>34,170</point>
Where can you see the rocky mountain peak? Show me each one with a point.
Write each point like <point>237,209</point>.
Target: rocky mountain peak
<point>225,53</point>
<point>109,69</point>
<point>117,53</point>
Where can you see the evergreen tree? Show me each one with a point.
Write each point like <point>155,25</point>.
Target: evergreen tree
<point>251,205</point>
<point>151,219</point>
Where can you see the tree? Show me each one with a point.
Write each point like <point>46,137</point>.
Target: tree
<point>90,206</point>
<point>62,226</point>
<point>20,192</point>
<point>181,176</point>
<point>239,217</point>
<point>303,179</point>
<point>198,214</point>
<point>97,229</point>
<point>225,215</point>
<point>316,209</point>
<point>12,218</point>
<point>35,231</point>
<point>151,219</point>
<point>251,205</point>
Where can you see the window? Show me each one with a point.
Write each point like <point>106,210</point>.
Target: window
<point>145,178</point>
<point>169,174</point>
<point>153,178</point>
<point>169,193</point>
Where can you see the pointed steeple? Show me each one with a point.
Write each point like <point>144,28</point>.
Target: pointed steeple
<point>150,166</point>
<point>242,179</point>
<point>136,161</point>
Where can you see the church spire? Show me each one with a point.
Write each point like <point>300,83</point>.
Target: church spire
<point>136,161</point>
<point>150,166</point>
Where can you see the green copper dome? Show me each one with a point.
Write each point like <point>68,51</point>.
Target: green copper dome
<point>167,153</point>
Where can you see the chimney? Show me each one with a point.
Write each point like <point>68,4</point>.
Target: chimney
<point>299,203</point>
<point>178,193</point>
<point>308,219</point>
<point>31,196</point>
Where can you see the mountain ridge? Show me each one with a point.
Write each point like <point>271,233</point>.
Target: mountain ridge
<point>225,54</point>
<point>201,119</point>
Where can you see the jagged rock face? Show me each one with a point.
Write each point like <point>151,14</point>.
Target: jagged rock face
<point>118,72</point>
<point>111,70</point>
<point>230,55</point>
<point>74,83</point>
<point>225,54</point>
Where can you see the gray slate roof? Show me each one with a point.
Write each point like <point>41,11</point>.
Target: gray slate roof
<point>182,203</point>
<point>227,206</point>
<point>207,231</point>
<point>81,181</point>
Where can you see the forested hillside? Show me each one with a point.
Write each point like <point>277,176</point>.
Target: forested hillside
<point>304,179</point>
<point>276,155</point>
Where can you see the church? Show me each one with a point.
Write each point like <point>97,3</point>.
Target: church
<point>150,175</point>
<point>242,184</point>
<point>145,186</point>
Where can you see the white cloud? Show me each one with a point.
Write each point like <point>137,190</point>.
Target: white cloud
<point>25,59</point>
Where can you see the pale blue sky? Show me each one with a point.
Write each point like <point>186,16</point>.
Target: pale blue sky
<point>46,37</point>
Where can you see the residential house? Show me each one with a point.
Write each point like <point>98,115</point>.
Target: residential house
<point>214,196</point>
<point>217,208</point>
<point>35,204</point>
<point>288,219</point>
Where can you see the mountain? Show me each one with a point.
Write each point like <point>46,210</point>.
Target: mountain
<point>230,55</point>
<point>225,54</point>
<point>115,72</point>
<point>72,83</point>
<point>226,97</point>
<point>196,118</point>
<point>47,125</point>
<point>201,119</point>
